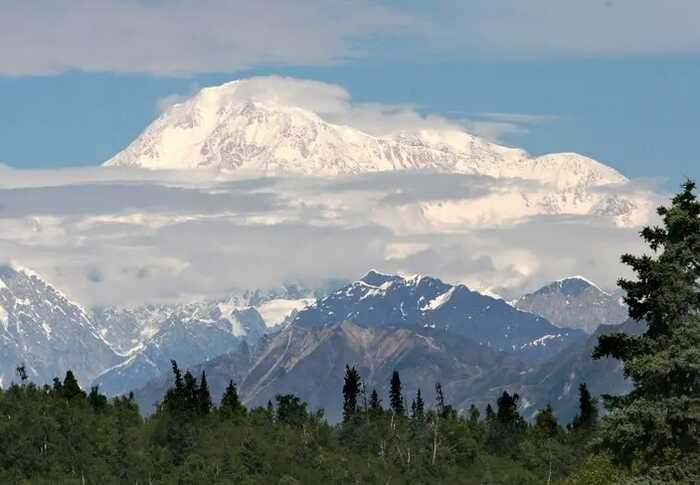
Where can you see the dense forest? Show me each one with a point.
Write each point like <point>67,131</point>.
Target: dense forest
<point>60,434</point>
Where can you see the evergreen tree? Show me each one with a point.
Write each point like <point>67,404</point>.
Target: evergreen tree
<point>587,416</point>
<point>203,397</point>
<point>546,423</point>
<point>190,394</point>
<point>659,420</point>
<point>375,404</point>
<point>440,400</point>
<point>507,409</point>
<point>177,374</point>
<point>230,403</point>
<point>22,373</point>
<point>490,415</point>
<point>351,390</point>
<point>291,410</point>
<point>474,415</point>
<point>418,408</point>
<point>97,401</point>
<point>70,388</point>
<point>395,396</point>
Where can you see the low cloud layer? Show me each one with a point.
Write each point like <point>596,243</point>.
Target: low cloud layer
<point>186,37</point>
<point>127,236</point>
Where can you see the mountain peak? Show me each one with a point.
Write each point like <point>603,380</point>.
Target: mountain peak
<point>377,278</point>
<point>574,302</point>
<point>573,285</point>
<point>267,127</point>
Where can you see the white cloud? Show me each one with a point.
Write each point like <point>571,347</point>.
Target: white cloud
<point>114,238</point>
<point>545,28</point>
<point>188,36</point>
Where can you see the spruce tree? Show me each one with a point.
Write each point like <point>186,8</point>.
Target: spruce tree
<point>395,396</point>
<point>507,410</point>
<point>546,423</point>
<point>203,396</point>
<point>444,410</point>
<point>351,390</point>
<point>70,388</point>
<point>190,394</point>
<point>96,400</point>
<point>490,415</point>
<point>177,375</point>
<point>658,422</point>
<point>418,408</point>
<point>375,404</point>
<point>587,416</point>
<point>230,403</point>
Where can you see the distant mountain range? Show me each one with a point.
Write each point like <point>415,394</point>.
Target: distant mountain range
<point>430,331</point>
<point>426,304</point>
<point>310,362</point>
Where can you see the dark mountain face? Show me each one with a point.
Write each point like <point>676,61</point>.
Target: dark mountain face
<point>428,304</point>
<point>575,303</point>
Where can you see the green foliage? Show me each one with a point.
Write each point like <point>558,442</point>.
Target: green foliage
<point>656,426</point>
<point>546,423</point>
<point>48,438</point>
<point>291,410</point>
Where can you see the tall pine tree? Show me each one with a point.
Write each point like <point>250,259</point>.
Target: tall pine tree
<point>657,425</point>
<point>587,416</point>
<point>351,391</point>
<point>395,396</point>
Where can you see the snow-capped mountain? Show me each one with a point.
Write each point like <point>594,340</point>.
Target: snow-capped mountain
<point>430,306</point>
<point>227,128</point>
<point>129,328</point>
<point>575,302</point>
<point>46,332</point>
<point>190,333</point>
<point>193,336</point>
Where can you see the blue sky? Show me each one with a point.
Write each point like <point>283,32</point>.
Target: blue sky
<point>616,81</point>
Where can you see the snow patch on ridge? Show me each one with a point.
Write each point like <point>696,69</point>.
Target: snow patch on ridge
<point>275,312</point>
<point>439,300</point>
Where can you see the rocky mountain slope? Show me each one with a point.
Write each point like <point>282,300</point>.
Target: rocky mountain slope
<point>575,302</point>
<point>310,362</point>
<point>46,332</point>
